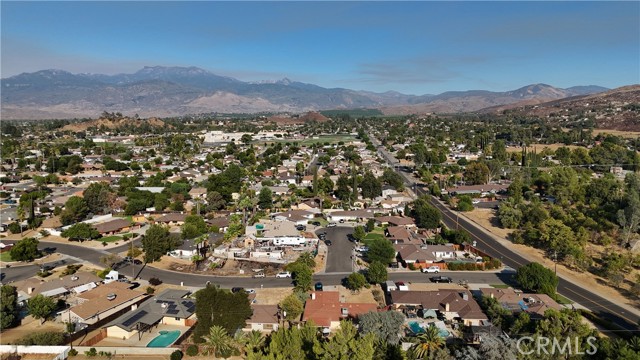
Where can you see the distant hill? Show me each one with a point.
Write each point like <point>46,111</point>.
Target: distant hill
<point>617,109</point>
<point>174,91</point>
<point>114,123</point>
<point>474,100</point>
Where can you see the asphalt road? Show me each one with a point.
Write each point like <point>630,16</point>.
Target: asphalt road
<point>598,305</point>
<point>339,255</point>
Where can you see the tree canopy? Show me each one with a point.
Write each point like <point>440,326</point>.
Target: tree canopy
<point>25,250</point>
<point>215,306</point>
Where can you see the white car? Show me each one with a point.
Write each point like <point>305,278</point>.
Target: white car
<point>332,225</point>
<point>475,201</point>
<point>282,275</point>
<point>431,269</point>
<point>250,291</point>
<point>362,249</point>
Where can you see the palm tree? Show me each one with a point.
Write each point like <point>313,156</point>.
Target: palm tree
<point>249,342</point>
<point>218,341</point>
<point>426,342</point>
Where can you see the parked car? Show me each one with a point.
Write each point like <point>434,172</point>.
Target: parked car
<point>301,227</point>
<point>258,275</point>
<point>362,249</point>
<point>316,223</point>
<point>236,289</point>
<point>431,269</point>
<point>282,275</point>
<point>250,291</point>
<point>328,242</point>
<point>332,225</point>
<point>318,286</point>
<point>440,279</point>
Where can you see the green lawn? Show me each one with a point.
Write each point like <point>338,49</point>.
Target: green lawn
<point>373,236</point>
<point>5,257</point>
<point>111,238</point>
<point>563,300</point>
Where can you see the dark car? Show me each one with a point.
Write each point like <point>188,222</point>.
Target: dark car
<point>440,279</point>
<point>137,262</point>
<point>328,242</point>
<point>301,227</point>
<point>318,286</point>
<point>236,289</point>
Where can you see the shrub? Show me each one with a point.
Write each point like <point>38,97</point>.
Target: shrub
<point>91,352</point>
<point>42,338</point>
<point>411,266</point>
<point>176,355</point>
<point>73,352</point>
<point>103,273</point>
<point>155,281</point>
<point>192,350</point>
<point>150,290</point>
<point>43,274</point>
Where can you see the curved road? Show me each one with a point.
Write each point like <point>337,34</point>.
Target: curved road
<point>600,306</point>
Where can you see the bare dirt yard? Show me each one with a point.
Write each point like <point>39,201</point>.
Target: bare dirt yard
<point>29,325</point>
<point>625,134</point>
<point>540,147</point>
<point>486,219</point>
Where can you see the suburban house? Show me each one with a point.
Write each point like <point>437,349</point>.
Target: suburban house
<point>277,233</point>
<point>186,250</point>
<point>298,217</point>
<point>452,304</point>
<point>516,301</point>
<point>326,310</point>
<point>198,193</point>
<point>265,318</point>
<point>104,301</point>
<point>388,190</point>
<point>168,307</point>
<point>78,283</point>
<point>350,215</point>
<point>113,227</point>
<point>396,221</point>
<point>172,219</point>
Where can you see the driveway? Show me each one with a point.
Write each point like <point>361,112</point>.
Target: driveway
<point>339,254</point>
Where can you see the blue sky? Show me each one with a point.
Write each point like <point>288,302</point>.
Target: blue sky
<point>411,47</point>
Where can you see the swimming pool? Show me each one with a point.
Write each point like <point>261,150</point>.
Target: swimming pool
<point>417,329</point>
<point>165,338</point>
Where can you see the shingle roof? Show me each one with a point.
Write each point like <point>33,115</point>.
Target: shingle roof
<point>113,225</point>
<point>170,302</point>
<point>97,302</point>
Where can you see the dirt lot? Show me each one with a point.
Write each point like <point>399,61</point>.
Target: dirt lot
<point>29,325</point>
<point>585,279</point>
<point>272,296</point>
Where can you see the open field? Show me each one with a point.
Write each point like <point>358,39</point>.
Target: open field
<point>539,147</point>
<point>625,134</point>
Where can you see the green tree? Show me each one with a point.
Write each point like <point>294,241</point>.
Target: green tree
<point>98,197</point>
<point>499,151</point>
<point>509,214</point>
<point>265,198</point>
<point>377,273</point>
<point>213,308</point>
<point>346,344</point>
<point>392,178</point>
<point>629,215</point>
<point>75,209</point>
<point>40,306</point>
<point>81,232</point>
<point>218,342</point>
<point>537,278</point>
<point>371,187</point>
<point>359,233</point>
<point>343,189</point>
<point>25,250</point>
<point>156,243</point>
<point>476,173</point>
<point>302,275</point>
<point>384,324</point>
<point>381,251</point>
<point>425,215</point>
<point>464,203</point>
<point>8,307</point>
<point>356,281</point>
<point>215,201</point>
<point>194,226</point>
<point>426,343</point>
<point>293,307</point>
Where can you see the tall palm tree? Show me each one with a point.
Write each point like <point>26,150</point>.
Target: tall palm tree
<point>249,342</point>
<point>218,341</point>
<point>426,342</point>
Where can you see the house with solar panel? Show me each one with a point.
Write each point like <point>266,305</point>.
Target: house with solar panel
<point>170,307</point>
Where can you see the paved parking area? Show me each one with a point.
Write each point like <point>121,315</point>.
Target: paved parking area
<point>339,256</point>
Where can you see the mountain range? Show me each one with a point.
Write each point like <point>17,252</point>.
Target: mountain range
<point>174,91</point>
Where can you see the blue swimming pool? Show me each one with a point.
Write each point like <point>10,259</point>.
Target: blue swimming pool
<point>165,338</point>
<point>417,329</point>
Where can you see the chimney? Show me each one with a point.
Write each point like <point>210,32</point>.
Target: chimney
<point>465,296</point>
<point>30,290</point>
<point>345,312</point>
<point>313,296</point>
<point>446,307</point>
